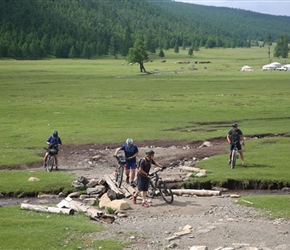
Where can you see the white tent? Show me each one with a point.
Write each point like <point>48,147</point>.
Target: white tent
<point>269,67</point>
<point>287,66</point>
<point>247,68</point>
<point>276,64</point>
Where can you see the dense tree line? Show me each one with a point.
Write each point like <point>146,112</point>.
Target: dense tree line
<point>37,29</point>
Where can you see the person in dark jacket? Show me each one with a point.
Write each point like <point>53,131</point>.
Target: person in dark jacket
<point>143,177</point>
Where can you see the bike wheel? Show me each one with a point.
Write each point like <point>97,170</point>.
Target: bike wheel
<point>119,175</point>
<point>49,163</point>
<point>234,158</point>
<point>151,189</point>
<point>166,192</point>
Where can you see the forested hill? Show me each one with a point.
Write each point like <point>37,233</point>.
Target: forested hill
<point>239,23</point>
<point>34,29</point>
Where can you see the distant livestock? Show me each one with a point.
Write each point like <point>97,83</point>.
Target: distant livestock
<point>202,62</point>
<point>163,61</point>
<point>183,62</point>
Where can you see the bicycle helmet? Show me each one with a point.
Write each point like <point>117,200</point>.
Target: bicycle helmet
<point>235,125</point>
<point>129,141</point>
<point>55,133</point>
<point>150,152</point>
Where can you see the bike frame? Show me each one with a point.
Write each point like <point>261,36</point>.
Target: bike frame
<point>234,157</point>
<point>155,183</point>
<point>120,169</point>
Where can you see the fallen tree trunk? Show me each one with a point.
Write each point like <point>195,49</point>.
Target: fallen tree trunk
<point>112,184</point>
<point>93,212</point>
<point>196,192</point>
<point>47,209</point>
<point>189,169</point>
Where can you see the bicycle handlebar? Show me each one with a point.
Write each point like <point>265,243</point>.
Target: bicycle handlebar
<point>157,171</point>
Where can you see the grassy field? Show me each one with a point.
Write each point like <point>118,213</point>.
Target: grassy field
<point>106,101</point>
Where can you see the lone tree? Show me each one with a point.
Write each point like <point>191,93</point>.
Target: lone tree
<point>138,54</point>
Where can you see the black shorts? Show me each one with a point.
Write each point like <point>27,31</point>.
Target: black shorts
<point>143,182</point>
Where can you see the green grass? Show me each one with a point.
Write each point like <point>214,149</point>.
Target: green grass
<point>22,229</point>
<point>266,163</point>
<point>16,182</point>
<point>271,206</point>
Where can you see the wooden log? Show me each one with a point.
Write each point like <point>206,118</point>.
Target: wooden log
<point>127,189</point>
<point>47,209</point>
<point>190,169</point>
<point>172,180</point>
<point>196,192</point>
<point>112,185</point>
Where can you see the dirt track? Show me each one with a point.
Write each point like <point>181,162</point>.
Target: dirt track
<point>217,222</point>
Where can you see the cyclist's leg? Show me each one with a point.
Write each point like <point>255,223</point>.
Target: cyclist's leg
<point>241,153</point>
<point>45,159</point>
<point>144,192</point>
<point>56,161</point>
<point>242,156</point>
<point>127,172</point>
<point>230,154</point>
<point>133,172</point>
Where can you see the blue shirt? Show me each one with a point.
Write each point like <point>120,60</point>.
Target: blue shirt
<point>54,140</point>
<point>130,151</point>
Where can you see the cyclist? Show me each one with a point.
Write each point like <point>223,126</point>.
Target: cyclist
<point>53,141</point>
<point>131,152</point>
<point>236,135</point>
<point>143,176</point>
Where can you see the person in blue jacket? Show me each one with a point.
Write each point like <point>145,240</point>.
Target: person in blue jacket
<point>131,152</point>
<point>53,141</point>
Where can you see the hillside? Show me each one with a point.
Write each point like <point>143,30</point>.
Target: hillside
<point>238,23</point>
<point>89,28</point>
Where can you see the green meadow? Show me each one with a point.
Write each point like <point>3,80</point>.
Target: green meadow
<point>106,100</point>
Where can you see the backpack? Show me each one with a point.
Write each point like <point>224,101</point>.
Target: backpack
<point>139,162</point>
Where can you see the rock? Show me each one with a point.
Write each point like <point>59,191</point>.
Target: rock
<point>90,201</point>
<point>78,185</point>
<point>104,200</point>
<point>92,183</point>
<point>200,174</point>
<point>32,179</point>
<point>199,248</point>
<point>96,190</point>
<point>83,180</point>
<point>187,227</point>
<point>74,195</point>
<point>84,196</point>
<point>96,157</point>
<point>118,205</point>
<point>112,194</point>
<point>172,245</point>
<point>206,144</point>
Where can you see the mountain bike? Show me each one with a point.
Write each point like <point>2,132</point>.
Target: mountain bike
<point>235,155</point>
<point>157,184</point>
<point>50,162</point>
<point>119,169</point>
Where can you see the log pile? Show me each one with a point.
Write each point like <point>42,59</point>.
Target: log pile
<point>104,191</point>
